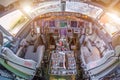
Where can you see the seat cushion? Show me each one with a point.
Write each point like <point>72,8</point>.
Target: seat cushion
<point>89,55</point>
<point>36,56</point>
<point>95,55</point>
<point>30,54</point>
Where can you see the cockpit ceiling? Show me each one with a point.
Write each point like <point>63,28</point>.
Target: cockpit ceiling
<point>105,3</point>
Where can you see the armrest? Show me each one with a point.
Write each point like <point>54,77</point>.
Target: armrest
<point>19,53</point>
<point>40,52</point>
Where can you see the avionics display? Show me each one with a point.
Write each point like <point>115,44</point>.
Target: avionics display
<point>63,24</point>
<point>73,23</point>
<point>52,23</point>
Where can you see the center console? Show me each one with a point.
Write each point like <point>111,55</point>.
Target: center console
<point>62,61</point>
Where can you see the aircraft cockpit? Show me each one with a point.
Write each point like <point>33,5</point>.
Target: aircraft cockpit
<point>72,42</point>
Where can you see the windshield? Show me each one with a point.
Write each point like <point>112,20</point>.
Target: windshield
<point>13,21</point>
<point>84,8</point>
<point>110,22</point>
<point>77,7</point>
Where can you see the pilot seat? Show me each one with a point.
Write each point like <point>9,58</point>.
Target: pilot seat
<point>25,66</point>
